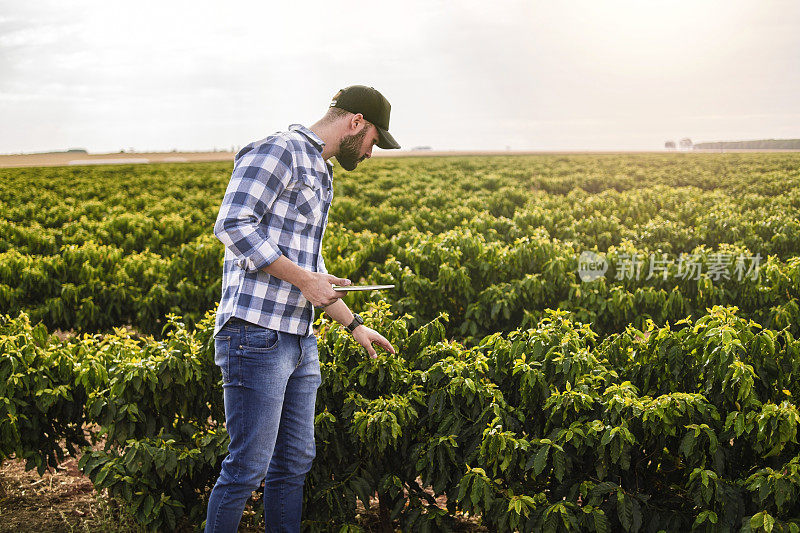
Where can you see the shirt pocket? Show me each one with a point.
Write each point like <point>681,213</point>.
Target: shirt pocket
<point>309,197</point>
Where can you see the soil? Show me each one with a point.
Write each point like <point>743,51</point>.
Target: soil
<point>60,500</point>
<point>56,159</point>
<point>52,159</point>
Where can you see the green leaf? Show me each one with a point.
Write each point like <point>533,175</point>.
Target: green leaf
<point>601,523</point>
<point>607,436</point>
<point>637,515</point>
<point>541,460</point>
<point>148,506</point>
<point>101,475</point>
<point>769,522</point>
<point>559,465</point>
<point>624,510</point>
<point>738,425</point>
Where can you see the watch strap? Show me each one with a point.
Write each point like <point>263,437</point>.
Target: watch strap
<point>357,321</point>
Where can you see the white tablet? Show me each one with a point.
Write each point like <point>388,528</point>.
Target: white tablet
<point>349,288</point>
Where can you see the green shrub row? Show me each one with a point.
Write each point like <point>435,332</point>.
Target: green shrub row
<point>691,425</point>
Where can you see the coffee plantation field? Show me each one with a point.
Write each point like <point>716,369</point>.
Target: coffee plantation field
<point>588,342</point>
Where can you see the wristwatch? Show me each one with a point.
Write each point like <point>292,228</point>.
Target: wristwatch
<point>357,321</point>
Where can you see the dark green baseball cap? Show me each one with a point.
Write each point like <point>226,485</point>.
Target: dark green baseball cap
<point>372,105</point>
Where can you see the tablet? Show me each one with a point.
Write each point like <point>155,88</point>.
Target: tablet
<point>349,288</point>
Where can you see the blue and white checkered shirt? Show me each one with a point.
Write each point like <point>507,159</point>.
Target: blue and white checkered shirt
<point>276,204</point>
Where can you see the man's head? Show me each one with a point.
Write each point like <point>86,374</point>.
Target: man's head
<point>360,117</point>
<point>355,136</point>
<point>356,147</point>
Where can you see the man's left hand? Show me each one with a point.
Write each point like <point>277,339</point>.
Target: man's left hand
<point>366,337</point>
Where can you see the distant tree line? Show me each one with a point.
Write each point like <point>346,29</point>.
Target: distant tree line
<point>764,144</point>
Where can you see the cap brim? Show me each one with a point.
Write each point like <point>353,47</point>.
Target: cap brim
<point>385,140</point>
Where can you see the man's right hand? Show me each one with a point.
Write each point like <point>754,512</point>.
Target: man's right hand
<point>317,288</point>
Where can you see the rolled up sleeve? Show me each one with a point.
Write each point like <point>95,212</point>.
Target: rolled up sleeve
<point>259,177</point>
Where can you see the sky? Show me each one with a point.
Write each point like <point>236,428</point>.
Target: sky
<point>529,75</point>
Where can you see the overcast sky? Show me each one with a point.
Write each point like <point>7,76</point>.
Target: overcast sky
<point>592,74</point>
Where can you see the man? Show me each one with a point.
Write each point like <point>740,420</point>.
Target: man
<point>272,221</point>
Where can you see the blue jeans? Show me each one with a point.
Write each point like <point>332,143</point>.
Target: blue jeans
<point>270,382</point>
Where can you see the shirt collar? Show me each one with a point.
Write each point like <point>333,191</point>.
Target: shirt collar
<point>313,137</point>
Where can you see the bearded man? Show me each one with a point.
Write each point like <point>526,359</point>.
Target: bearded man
<point>272,220</point>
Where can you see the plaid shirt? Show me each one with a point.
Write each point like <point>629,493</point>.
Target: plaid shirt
<point>276,204</point>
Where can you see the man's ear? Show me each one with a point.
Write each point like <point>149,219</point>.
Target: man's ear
<point>355,120</point>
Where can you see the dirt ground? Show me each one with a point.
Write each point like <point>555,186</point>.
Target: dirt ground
<point>53,159</point>
<point>59,501</point>
<point>56,159</point>
<point>64,500</point>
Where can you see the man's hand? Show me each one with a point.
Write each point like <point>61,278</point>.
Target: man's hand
<point>318,290</point>
<point>366,337</point>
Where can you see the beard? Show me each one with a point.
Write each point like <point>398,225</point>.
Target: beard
<point>349,150</point>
